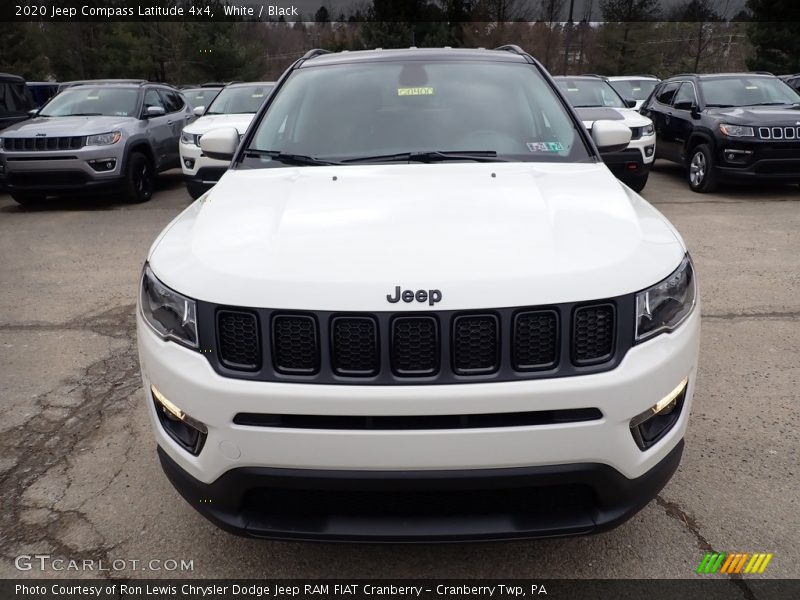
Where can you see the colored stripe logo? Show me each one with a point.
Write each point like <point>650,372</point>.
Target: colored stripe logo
<point>734,562</point>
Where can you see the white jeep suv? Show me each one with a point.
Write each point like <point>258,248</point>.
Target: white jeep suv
<point>235,106</point>
<point>594,99</point>
<point>418,306</point>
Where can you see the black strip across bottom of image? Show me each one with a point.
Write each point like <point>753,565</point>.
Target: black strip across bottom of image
<point>705,587</point>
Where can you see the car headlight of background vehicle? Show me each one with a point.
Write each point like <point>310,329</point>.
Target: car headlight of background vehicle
<point>665,305</point>
<point>190,138</point>
<point>648,130</point>
<point>103,139</point>
<point>736,130</point>
<point>170,314</point>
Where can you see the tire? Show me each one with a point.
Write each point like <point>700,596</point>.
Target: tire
<point>28,199</point>
<point>637,183</point>
<point>700,170</point>
<point>139,180</point>
<point>195,189</point>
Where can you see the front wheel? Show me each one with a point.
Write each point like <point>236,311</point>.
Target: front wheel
<point>700,171</point>
<point>637,183</point>
<point>139,179</point>
<point>196,189</point>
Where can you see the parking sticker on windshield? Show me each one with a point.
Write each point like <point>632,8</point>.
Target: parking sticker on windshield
<point>415,91</point>
<point>545,146</point>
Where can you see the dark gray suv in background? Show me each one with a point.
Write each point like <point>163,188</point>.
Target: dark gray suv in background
<point>103,137</point>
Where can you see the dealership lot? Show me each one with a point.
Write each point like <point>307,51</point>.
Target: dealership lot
<point>80,477</point>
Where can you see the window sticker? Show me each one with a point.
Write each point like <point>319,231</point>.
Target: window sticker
<point>415,91</point>
<point>93,97</point>
<point>545,146</point>
<point>257,95</point>
<point>751,87</point>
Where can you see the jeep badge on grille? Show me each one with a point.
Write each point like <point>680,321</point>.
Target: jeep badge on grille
<point>429,296</point>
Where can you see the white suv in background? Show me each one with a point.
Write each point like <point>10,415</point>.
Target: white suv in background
<point>595,99</point>
<point>234,107</point>
<point>634,87</point>
<point>418,306</point>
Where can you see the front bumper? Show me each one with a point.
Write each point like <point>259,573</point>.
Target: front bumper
<point>630,162</point>
<point>60,171</point>
<point>759,161</point>
<point>431,506</point>
<point>248,460</point>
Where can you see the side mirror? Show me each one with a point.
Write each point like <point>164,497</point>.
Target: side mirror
<point>199,110</point>
<point>220,143</point>
<point>695,111</point>
<point>610,136</point>
<point>155,111</point>
<point>631,103</point>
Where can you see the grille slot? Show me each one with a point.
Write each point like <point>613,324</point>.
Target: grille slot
<point>779,133</point>
<point>354,346</point>
<point>415,346</point>
<point>535,345</point>
<point>295,344</point>
<point>476,344</point>
<point>38,144</point>
<point>593,334</point>
<point>238,339</point>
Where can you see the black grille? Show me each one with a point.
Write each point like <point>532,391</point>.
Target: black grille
<point>475,344</point>
<point>415,346</point>
<point>38,144</point>
<point>355,346</point>
<point>535,344</point>
<point>295,344</point>
<point>593,334</point>
<point>239,345</point>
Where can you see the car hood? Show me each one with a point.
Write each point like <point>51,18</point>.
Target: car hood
<point>759,115</point>
<point>65,126</point>
<point>206,123</point>
<point>628,116</point>
<point>486,235</point>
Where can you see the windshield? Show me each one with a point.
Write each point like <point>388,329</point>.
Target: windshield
<point>109,102</point>
<point>200,96</point>
<point>379,109</point>
<point>746,91</point>
<point>239,99</point>
<point>585,93</point>
<point>634,89</point>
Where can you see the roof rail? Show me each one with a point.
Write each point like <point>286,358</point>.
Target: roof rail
<point>683,75</point>
<point>762,73</point>
<point>315,52</point>
<point>512,48</point>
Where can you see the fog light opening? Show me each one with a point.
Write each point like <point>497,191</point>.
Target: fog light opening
<point>187,431</point>
<point>188,163</point>
<point>103,164</point>
<point>653,424</point>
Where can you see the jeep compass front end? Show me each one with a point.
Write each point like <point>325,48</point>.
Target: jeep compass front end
<point>418,307</point>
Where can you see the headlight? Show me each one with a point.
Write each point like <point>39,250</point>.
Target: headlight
<point>171,315</point>
<point>736,130</point>
<point>648,130</point>
<point>665,305</point>
<point>103,139</point>
<point>190,138</point>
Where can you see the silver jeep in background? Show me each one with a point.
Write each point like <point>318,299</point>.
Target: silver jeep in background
<point>96,137</point>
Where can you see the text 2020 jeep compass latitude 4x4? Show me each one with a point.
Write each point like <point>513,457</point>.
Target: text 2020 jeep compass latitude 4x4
<point>418,307</point>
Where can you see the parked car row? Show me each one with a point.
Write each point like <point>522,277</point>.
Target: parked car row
<point>117,134</point>
<point>122,132</point>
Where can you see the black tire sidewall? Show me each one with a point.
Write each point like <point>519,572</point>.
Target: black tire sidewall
<point>132,191</point>
<point>708,183</point>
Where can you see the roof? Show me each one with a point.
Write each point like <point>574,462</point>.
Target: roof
<point>10,77</point>
<point>631,77</point>
<point>579,77</point>
<point>250,84</point>
<point>378,54</point>
<point>720,75</point>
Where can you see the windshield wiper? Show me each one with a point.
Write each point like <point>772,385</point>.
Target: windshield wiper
<point>430,156</point>
<point>84,115</point>
<point>289,159</point>
<point>774,104</point>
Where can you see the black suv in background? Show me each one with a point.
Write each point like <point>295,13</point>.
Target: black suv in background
<point>15,100</point>
<point>793,81</point>
<point>734,126</point>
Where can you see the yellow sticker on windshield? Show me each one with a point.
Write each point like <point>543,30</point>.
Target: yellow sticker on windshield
<point>258,95</point>
<point>93,97</point>
<point>573,89</point>
<point>751,87</point>
<point>415,91</point>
